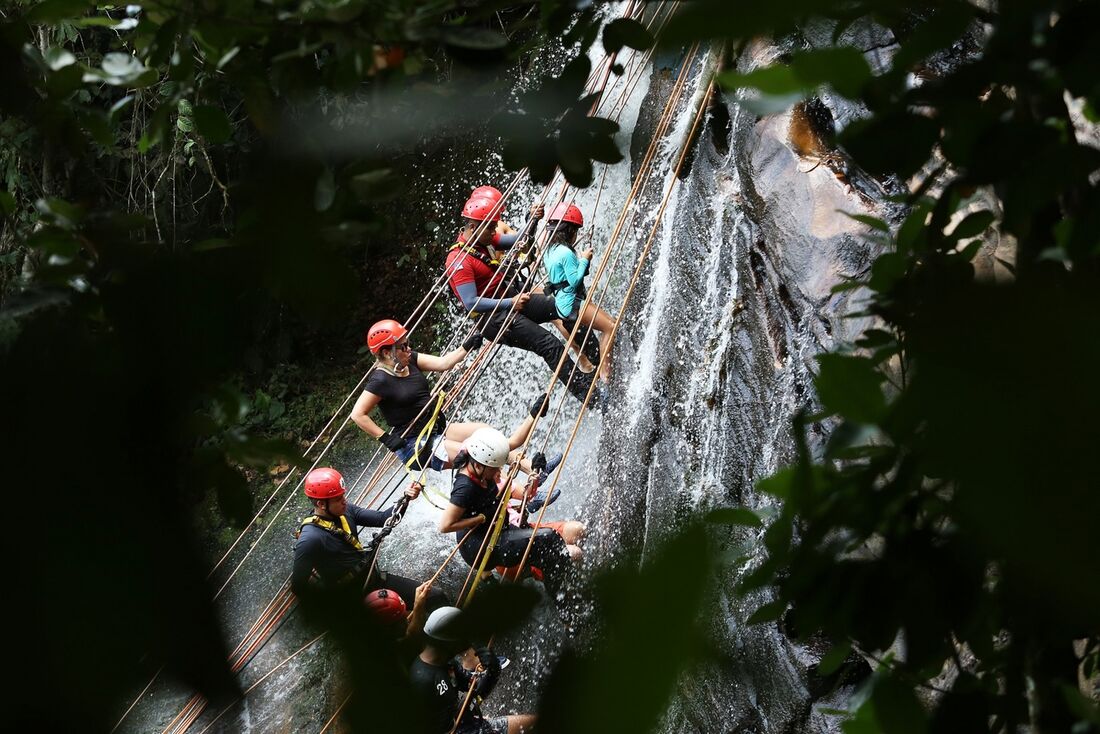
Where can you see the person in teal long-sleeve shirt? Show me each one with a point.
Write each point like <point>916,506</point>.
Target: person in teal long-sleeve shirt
<point>566,269</point>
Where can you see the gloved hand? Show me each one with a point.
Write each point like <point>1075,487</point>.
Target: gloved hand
<point>540,406</point>
<point>473,342</point>
<point>487,658</point>
<point>392,442</point>
<point>539,462</point>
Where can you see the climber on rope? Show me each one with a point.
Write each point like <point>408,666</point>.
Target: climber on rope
<point>419,433</point>
<point>388,609</point>
<point>566,269</point>
<point>328,555</point>
<point>475,497</point>
<point>441,680</point>
<point>482,287</point>
<point>588,355</point>
<point>503,229</point>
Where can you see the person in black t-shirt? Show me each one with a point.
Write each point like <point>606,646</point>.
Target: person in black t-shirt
<point>474,500</point>
<point>400,389</point>
<point>441,681</point>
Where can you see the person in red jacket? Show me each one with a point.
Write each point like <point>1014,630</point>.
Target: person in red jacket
<point>488,292</point>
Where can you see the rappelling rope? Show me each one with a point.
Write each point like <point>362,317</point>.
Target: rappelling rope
<point>489,542</point>
<point>630,289</point>
<point>438,403</point>
<point>495,532</point>
<point>634,279</point>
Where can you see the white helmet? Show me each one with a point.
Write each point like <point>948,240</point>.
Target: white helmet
<point>487,446</point>
<point>440,625</point>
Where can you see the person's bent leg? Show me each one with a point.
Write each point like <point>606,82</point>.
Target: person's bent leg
<point>602,322</point>
<point>521,723</point>
<point>526,334</point>
<point>457,433</point>
<point>573,531</point>
<point>583,362</point>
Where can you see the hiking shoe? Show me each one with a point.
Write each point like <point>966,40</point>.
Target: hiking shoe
<point>535,503</point>
<point>551,465</point>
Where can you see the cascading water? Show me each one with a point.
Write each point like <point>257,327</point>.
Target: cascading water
<point>713,357</point>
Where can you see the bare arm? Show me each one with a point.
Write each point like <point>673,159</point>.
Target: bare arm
<point>367,402</point>
<point>432,363</point>
<point>418,615</point>
<point>452,521</point>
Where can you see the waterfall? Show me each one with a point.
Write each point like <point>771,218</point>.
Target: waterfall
<point>714,356</point>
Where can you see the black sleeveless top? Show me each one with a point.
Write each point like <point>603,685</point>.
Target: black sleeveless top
<point>403,398</point>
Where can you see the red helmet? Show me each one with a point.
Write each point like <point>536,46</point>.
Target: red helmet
<point>324,484</point>
<point>566,213</point>
<point>481,208</point>
<point>385,333</point>
<point>386,606</point>
<point>487,192</point>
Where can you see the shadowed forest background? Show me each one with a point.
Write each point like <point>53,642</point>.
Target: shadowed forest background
<point>204,205</point>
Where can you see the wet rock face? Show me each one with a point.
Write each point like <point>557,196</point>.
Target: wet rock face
<point>735,304</point>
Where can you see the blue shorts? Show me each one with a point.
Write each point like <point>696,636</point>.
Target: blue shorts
<point>430,452</point>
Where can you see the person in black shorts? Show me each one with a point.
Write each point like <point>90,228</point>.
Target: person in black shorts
<point>401,390</point>
<point>441,681</point>
<point>483,288</point>
<point>475,497</point>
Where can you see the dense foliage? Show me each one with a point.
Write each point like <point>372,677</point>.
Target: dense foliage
<point>949,526</point>
<point>174,175</point>
<point>189,193</point>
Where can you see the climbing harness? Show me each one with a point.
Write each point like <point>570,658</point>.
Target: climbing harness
<point>277,609</point>
<point>343,531</point>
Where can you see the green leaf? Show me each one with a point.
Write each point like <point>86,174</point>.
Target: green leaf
<point>843,68</point>
<point>52,11</point>
<point>118,106</point>
<point>851,387</point>
<point>325,192</point>
<point>875,338</point>
<point>478,39</point>
<point>897,710</point>
<point>771,611</point>
<point>60,211</point>
<point>872,222</point>
<point>873,142</point>
<point>887,269</point>
<point>1081,706</point>
<point>95,21</point>
<point>58,58</point>
<point>7,203</point>
<point>834,658</point>
<point>185,124</point>
<point>228,56</point>
<point>626,32</point>
<point>734,516</point>
<point>911,231</point>
<point>121,70</point>
<point>973,225</point>
<point>54,241</point>
<point>778,484</point>
<point>774,80</point>
<point>212,123</point>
